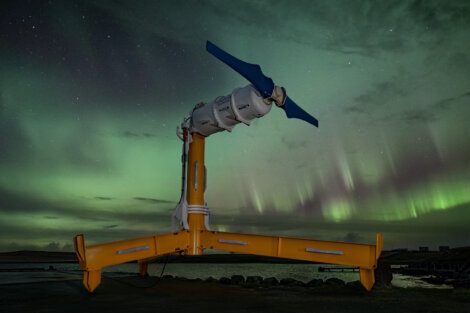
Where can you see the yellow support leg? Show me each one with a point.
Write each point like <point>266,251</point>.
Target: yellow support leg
<point>366,276</point>
<point>79,246</point>
<point>91,279</point>
<point>143,269</point>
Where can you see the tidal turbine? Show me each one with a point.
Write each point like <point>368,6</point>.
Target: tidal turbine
<point>191,215</point>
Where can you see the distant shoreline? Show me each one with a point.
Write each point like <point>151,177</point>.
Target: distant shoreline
<point>69,257</point>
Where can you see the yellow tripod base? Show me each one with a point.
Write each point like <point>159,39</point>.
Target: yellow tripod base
<point>95,257</point>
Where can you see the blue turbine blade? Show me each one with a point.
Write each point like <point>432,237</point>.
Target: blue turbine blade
<point>252,72</point>
<point>264,84</point>
<point>294,111</point>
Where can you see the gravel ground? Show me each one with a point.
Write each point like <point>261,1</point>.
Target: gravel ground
<point>134,294</point>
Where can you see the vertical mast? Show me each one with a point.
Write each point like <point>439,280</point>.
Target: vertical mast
<point>195,193</point>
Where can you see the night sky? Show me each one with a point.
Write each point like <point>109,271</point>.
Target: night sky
<point>91,93</point>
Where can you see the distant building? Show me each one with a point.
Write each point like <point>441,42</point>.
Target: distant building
<point>401,250</point>
<point>444,248</point>
<point>423,249</point>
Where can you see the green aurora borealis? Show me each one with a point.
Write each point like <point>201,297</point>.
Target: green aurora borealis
<point>91,93</point>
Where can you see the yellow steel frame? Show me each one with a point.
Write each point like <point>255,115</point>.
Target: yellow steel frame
<point>197,238</point>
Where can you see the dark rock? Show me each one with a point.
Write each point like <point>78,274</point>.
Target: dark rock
<point>291,282</point>
<point>333,281</point>
<point>315,283</point>
<point>270,281</point>
<point>211,279</point>
<point>436,280</point>
<point>225,280</point>
<point>167,277</point>
<point>356,285</point>
<point>238,280</point>
<point>383,274</point>
<point>254,280</point>
<point>461,283</point>
<point>287,281</point>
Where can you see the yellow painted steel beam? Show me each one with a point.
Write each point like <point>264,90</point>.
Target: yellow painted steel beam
<point>363,256</point>
<point>354,254</point>
<point>118,252</point>
<point>95,257</point>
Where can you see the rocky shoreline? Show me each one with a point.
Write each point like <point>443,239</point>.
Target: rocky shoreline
<point>268,282</point>
<point>456,279</point>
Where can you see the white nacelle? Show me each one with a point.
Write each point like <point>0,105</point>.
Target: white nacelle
<point>241,106</point>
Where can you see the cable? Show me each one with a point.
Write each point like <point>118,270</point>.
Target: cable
<point>164,265</point>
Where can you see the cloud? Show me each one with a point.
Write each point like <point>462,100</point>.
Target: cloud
<point>152,200</point>
<point>352,237</point>
<point>18,203</point>
<point>293,144</point>
<point>51,217</point>
<point>378,95</point>
<point>135,135</point>
<point>448,103</point>
<point>111,226</point>
<point>53,246</point>
<point>355,109</point>
<point>418,116</point>
<point>104,198</point>
<point>427,115</point>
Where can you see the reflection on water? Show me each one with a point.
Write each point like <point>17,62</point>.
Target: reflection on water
<point>302,272</point>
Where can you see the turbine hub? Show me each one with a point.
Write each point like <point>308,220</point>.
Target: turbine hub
<point>278,96</point>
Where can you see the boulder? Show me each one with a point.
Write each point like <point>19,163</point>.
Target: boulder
<point>254,280</point>
<point>238,280</point>
<point>291,282</point>
<point>270,281</point>
<point>461,283</point>
<point>383,274</point>
<point>225,280</point>
<point>333,281</point>
<point>211,279</point>
<point>315,282</point>
<point>355,285</point>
